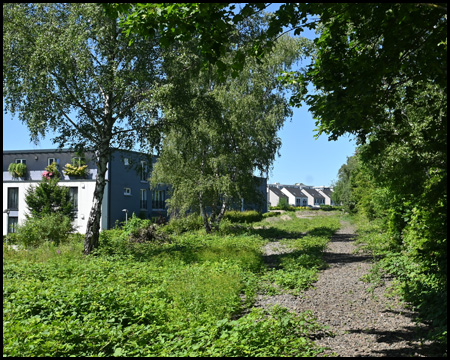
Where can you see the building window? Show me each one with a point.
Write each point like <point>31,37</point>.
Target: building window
<point>13,198</point>
<point>305,202</point>
<point>12,224</point>
<point>143,171</point>
<point>51,161</point>
<point>127,191</point>
<point>143,199</point>
<point>297,202</point>
<point>74,197</point>
<point>21,161</point>
<point>126,162</point>
<point>159,199</point>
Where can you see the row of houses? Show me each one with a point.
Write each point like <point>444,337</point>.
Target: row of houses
<point>300,195</point>
<point>127,188</point>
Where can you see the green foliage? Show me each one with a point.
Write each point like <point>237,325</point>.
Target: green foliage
<point>243,216</point>
<point>180,298</point>
<point>283,204</point>
<point>49,198</point>
<point>48,228</point>
<point>181,224</point>
<point>51,171</point>
<point>55,57</point>
<point>17,169</point>
<point>78,167</point>
<point>297,270</point>
<point>330,207</point>
<point>291,208</point>
<point>72,170</point>
<point>231,131</point>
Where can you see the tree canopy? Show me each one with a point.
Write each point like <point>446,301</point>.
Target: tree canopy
<point>231,127</point>
<point>68,68</point>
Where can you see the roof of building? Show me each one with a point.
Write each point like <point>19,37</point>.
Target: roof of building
<point>327,191</point>
<point>295,191</point>
<point>313,193</point>
<point>277,192</point>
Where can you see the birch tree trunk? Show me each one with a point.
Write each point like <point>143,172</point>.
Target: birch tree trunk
<point>91,240</point>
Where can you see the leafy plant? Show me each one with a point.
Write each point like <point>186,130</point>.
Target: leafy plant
<point>17,169</point>
<point>54,228</point>
<point>49,198</point>
<point>51,171</point>
<point>243,216</point>
<point>72,170</point>
<point>180,298</point>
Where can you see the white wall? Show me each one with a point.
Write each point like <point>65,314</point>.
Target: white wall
<point>290,196</point>
<point>85,197</point>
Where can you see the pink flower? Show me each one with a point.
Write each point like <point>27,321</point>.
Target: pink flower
<point>47,174</point>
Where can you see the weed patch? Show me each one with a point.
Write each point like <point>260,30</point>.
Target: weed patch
<point>180,297</point>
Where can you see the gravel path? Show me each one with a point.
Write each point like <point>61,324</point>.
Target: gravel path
<point>360,322</point>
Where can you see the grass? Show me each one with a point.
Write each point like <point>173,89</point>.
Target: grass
<point>183,297</point>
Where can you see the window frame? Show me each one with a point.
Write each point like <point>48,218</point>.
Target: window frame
<point>13,222</point>
<point>16,198</point>
<point>143,200</point>
<point>144,171</point>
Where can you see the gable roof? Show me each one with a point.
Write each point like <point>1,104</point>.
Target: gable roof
<point>295,191</point>
<point>313,193</point>
<point>277,192</point>
<point>327,192</point>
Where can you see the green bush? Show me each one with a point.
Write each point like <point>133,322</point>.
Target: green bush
<point>330,207</point>
<point>52,228</point>
<point>243,216</point>
<point>283,204</point>
<point>179,225</point>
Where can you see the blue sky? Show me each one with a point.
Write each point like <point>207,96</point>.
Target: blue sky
<point>303,158</point>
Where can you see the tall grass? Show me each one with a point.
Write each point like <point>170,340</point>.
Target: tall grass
<point>182,297</point>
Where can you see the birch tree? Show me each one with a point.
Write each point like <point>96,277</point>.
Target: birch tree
<point>231,128</point>
<point>68,68</point>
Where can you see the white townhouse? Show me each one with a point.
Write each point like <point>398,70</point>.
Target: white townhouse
<point>326,193</point>
<point>295,195</point>
<point>315,199</point>
<point>275,195</point>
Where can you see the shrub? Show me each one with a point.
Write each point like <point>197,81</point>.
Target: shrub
<point>283,204</point>
<point>179,225</point>
<point>243,217</point>
<point>49,198</point>
<point>54,228</point>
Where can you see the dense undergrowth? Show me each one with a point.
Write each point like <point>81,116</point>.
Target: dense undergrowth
<point>416,281</point>
<point>163,292</point>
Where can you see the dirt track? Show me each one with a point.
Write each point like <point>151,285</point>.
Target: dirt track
<point>361,322</point>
